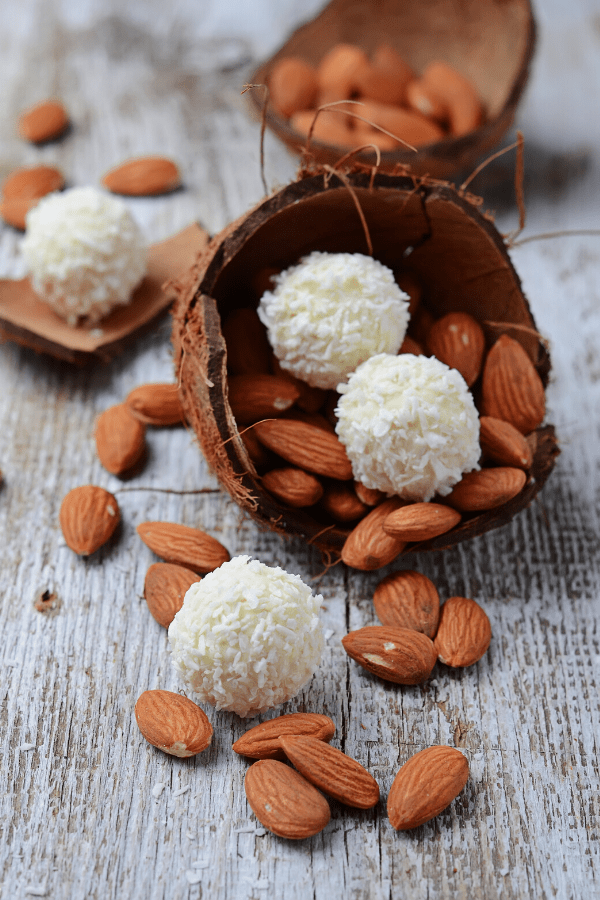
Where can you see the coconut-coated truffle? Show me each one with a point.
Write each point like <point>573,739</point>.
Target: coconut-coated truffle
<point>85,253</point>
<point>331,312</point>
<point>247,637</point>
<point>409,425</point>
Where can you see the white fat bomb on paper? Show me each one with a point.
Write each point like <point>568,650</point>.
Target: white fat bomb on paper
<point>85,253</point>
<point>330,313</point>
<point>409,425</point>
<point>247,637</point>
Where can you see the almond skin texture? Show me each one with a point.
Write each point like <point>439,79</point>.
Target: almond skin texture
<point>43,122</point>
<point>88,518</point>
<point>486,489</point>
<point>425,785</point>
<point>120,439</point>
<point>458,340</point>
<point>143,177</point>
<point>165,587</point>
<point>305,446</point>
<point>420,521</point>
<point>254,397</point>
<point>368,547</point>
<point>262,741</point>
<point>464,633</point>
<point>408,599</point>
<point>394,654</point>
<point>155,404</point>
<point>511,388</point>
<point>32,183</point>
<point>284,801</point>
<point>331,771</point>
<point>183,546</point>
<point>173,723</point>
<point>502,443</point>
<point>293,486</point>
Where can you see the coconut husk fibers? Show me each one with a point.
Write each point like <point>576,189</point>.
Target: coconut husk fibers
<point>490,42</point>
<point>458,256</point>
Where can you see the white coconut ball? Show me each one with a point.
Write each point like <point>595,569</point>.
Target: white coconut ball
<point>247,637</point>
<point>331,312</point>
<point>409,425</point>
<point>85,253</point>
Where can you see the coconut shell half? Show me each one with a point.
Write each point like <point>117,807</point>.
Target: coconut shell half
<point>491,43</point>
<point>425,229</point>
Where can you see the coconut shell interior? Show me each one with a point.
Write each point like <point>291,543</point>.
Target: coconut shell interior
<point>427,229</point>
<point>490,42</point>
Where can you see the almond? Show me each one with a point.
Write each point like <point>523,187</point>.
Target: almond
<point>260,456</point>
<point>120,439</point>
<point>306,446</point>
<point>368,547</point>
<point>165,587</point>
<point>457,94</point>
<point>420,521</point>
<point>284,801</point>
<point>293,486</point>
<point>486,489</point>
<point>143,177</point>
<point>368,496</point>
<point>337,72</point>
<point>262,741</point>
<point>400,655</point>
<point>43,122</point>
<point>502,443</point>
<point>173,723</point>
<point>386,78</point>
<point>331,771</point>
<point>425,785</point>
<point>458,340</point>
<point>310,399</point>
<point>183,546</point>
<point>406,124</point>
<point>254,397</point>
<point>341,502</point>
<point>464,633</point>
<point>511,388</point>
<point>248,348</point>
<point>156,404</point>
<point>316,419</point>
<point>293,85</point>
<point>32,183</point>
<point>409,345</point>
<point>14,210</point>
<point>423,100</point>
<point>88,517</point>
<point>408,599</point>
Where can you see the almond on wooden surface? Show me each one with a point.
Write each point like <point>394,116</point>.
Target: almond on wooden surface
<point>254,397</point>
<point>368,547</point>
<point>331,771</point>
<point>184,546</point>
<point>88,517</point>
<point>293,486</point>
<point>262,741</point>
<point>408,599</point>
<point>155,404</point>
<point>165,586</point>
<point>395,654</point>
<point>420,521</point>
<point>120,439</point>
<point>464,632</point>
<point>173,723</point>
<point>143,176</point>
<point>306,446</point>
<point>33,182</point>
<point>457,339</point>
<point>511,388</point>
<point>486,488</point>
<point>502,443</point>
<point>43,122</point>
<point>284,801</point>
<point>14,210</point>
<point>425,785</point>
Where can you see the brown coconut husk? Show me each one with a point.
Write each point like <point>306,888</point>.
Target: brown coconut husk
<point>491,43</point>
<point>458,256</point>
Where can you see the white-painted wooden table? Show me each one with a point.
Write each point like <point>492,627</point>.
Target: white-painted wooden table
<point>88,809</point>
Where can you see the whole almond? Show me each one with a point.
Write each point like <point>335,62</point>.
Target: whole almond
<point>120,439</point>
<point>173,723</point>
<point>165,586</point>
<point>502,443</point>
<point>368,547</point>
<point>341,502</point>
<point>88,518</point>
<point>511,388</point>
<point>456,93</point>
<point>395,654</point>
<point>43,122</point>
<point>425,785</point>
<point>156,404</point>
<point>331,771</point>
<point>293,486</point>
<point>32,183</point>
<point>420,521</point>
<point>143,176</point>
<point>14,210</point>
<point>248,348</point>
<point>306,446</point>
<point>183,546</point>
<point>284,801</point>
<point>464,632</point>
<point>457,339</point>
<point>254,397</point>
<point>408,599</point>
<point>368,496</point>
<point>262,741</point>
<point>486,489</point>
<point>293,85</point>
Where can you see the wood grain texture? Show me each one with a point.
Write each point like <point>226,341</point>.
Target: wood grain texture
<point>87,808</point>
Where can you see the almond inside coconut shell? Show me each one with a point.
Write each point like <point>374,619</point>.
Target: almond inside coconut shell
<point>490,43</point>
<point>421,228</point>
